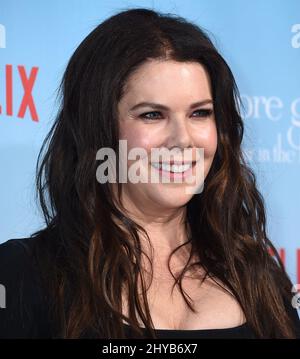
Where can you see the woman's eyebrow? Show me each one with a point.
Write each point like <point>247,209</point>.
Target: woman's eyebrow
<point>163,107</point>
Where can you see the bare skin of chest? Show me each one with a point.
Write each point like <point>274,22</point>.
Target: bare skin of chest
<point>215,307</point>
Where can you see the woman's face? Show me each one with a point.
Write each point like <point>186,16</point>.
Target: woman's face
<point>176,86</point>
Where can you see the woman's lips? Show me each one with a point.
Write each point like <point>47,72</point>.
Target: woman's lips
<point>175,175</point>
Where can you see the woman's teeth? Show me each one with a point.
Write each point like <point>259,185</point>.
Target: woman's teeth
<point>172,168</point>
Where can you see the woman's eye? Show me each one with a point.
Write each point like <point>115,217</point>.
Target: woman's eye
<point>146,115</point>
<point>204,112</point>
<point>153,114</point>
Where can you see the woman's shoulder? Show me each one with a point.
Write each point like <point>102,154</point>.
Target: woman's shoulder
<point>22,312</point>
<point>16,248</point>
<point>17,261</point>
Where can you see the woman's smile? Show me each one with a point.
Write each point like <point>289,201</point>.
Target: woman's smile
<point>173,170</point>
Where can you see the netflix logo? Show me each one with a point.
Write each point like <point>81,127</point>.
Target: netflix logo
<point>27,78</point>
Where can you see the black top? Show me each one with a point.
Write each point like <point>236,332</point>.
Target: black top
<point>24,313</point>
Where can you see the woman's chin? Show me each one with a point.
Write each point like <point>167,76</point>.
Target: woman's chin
<point>172,198</point>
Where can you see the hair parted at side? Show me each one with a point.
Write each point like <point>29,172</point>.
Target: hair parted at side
<point>85,256</point>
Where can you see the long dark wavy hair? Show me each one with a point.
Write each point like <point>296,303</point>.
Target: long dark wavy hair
<point>85,256</point>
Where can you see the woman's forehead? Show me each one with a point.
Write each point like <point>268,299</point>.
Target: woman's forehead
<point>168,79</point>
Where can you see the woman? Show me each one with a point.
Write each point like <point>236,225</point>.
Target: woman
<point>120,260</point>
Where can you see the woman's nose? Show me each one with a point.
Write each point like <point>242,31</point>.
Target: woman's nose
<point>180,133</point>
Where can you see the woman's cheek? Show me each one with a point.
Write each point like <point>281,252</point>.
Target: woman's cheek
<point>142,139</point>
<point>208,142</point>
